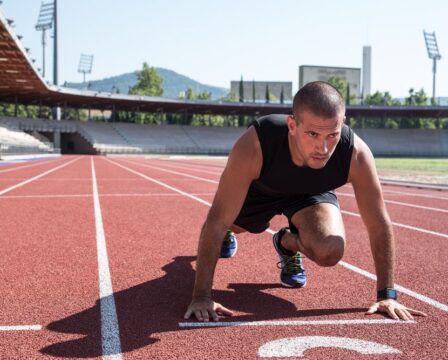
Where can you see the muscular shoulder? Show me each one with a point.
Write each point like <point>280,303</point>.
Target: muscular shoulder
<point>362,164</point>
<point>246,156</point>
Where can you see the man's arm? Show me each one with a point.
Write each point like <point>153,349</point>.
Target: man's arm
<point>369,197</point>
<point>243,166</point>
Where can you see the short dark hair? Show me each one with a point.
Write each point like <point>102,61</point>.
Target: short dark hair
<point>320,98</point>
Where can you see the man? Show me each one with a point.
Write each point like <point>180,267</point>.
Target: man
<point>290,165</point>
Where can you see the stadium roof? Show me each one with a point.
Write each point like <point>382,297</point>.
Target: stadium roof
<point>20,82</point>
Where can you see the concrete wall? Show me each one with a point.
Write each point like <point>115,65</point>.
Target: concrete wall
<point>406,142</point>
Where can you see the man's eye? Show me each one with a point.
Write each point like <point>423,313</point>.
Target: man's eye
<point>312,134</point>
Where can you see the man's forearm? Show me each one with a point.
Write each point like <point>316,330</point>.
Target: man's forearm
<point>208,253</point>
<point>383,251</point>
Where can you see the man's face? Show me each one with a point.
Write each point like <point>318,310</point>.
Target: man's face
<point>313,139</point>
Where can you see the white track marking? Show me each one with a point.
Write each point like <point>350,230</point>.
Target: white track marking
<point>404,226</point>
<point>36,177</point>
<point>161,183</point>
<point>198,324</point>
<point>176,166</point>
<point>21,328</point>
<point>415,194</point>
<point>174,172</point>
<point>110,334</point>
<point>25,166</point>
<point>50,196</point>
<point>408,292</point>
<point>296,346</point>
<point>402,289</point>
<point>400,203</point>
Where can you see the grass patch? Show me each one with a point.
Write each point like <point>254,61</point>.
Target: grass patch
<point>434,166</point>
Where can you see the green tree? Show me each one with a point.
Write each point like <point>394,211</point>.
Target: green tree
<point>418,98</point>
<point>253,91</point>
<point>341,85</point>
<point>149,82</point>
<point>241,89</point>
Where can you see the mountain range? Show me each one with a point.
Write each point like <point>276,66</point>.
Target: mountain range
<point>173,84</point>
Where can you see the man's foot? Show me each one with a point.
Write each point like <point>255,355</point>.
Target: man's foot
<point>229,245</point>
<point>292,272</point>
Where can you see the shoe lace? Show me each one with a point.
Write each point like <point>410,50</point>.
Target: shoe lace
<point>291,264</point>
<point>228,239</point>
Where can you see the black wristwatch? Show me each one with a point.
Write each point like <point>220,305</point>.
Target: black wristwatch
<point>387,293</point>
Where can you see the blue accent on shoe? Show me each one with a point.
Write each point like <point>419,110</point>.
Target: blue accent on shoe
<point>229,245</point>
<point>292,273</point>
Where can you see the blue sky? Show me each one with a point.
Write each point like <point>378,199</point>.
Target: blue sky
<point>215,42</point>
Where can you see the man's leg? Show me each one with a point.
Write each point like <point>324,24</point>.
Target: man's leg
<point>321,234</point>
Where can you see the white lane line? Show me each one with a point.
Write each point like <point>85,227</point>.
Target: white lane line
<point>435,233</point>
<point>400,203</point>
<point>176,166</point>
<point>25,166</point>
<point>21,328</point>
<point>293,323</point>
<point>110,334</point>
<point>36,177</point>
<point>402,289</point>
<point>415,194</point>
<point>161,183</point>
<point>173,172</point>
<point>406,193</point>
<point>52,196</point>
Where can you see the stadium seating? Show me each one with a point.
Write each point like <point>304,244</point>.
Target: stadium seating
<point>127,138</point>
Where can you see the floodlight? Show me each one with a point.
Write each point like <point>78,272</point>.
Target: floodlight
<point>85,65</point>
<point>431,45</point>
<point>434,55</point>
<point>46,16</point>
<point>45,22</point>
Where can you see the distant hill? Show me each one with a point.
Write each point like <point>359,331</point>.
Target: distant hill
<point>173,84</point>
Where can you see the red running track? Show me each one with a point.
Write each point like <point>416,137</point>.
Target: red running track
<point>150,213</point>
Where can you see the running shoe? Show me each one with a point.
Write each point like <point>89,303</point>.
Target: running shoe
<point>292,273</point>
<point>229,245</point>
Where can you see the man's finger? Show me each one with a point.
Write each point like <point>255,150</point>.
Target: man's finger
<point>403,314</point>
<point>390,311</point>
<point>198,315</point>
<point>204,314</point>
<point>188,314</point>
<point>373,309</point>
<point>221,310</point>
<point>416,312</point>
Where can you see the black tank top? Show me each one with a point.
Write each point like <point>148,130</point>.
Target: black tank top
<point>280,176</point>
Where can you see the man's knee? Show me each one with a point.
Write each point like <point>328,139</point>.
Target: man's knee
<point>332,252</point>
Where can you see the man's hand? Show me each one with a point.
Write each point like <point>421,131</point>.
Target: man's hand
<point>394,309</point>
<point>205,308</point>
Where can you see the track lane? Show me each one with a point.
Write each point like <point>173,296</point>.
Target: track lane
<point>236,275</point>
<point>49,273</point>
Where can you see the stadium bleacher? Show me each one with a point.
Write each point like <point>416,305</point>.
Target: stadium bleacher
<point>129,138</point>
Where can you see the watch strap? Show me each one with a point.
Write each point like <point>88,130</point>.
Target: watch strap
<point>387,293</point>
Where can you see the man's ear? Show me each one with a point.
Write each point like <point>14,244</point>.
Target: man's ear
<point>291,124</point>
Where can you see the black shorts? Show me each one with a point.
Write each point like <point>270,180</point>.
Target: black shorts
<point>258,209</point>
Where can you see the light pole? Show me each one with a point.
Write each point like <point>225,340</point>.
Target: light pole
<point>45,22</point>
<point>85,66</point>
<point>433,53</point>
